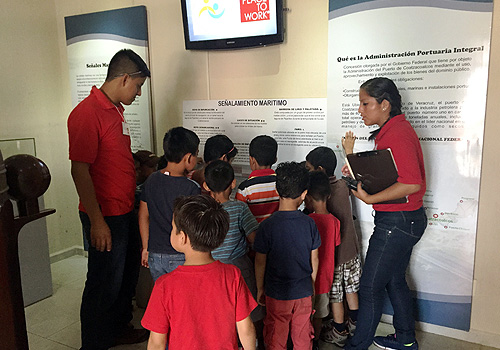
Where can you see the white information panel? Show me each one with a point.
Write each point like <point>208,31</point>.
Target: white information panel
<point>92,40</point>
<point>437,54</point>
<point>298,125</point>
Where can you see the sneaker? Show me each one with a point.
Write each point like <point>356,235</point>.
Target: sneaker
<point>391,343</point>
<point>351,326</point>
<point>333,336</point>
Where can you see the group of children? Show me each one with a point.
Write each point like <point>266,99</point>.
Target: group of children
<point>220,294</point>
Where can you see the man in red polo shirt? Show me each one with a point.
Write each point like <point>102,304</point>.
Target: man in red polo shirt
<point>103,171</point>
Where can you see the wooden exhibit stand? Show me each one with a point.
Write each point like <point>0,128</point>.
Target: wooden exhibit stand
<point>13,334</point>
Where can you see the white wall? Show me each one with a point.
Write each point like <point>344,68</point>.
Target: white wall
<point>35,100</point>
<point>32,104</point>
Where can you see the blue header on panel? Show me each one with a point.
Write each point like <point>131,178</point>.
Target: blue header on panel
<point>130,22</point>
<point>472,5</point>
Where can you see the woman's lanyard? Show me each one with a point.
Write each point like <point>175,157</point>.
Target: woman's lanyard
<point>125,126</point>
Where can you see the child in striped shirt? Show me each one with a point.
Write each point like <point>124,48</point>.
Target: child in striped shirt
<point>220,181</point>
<point>259,190</point>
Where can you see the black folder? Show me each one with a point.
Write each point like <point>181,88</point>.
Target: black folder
<point>376,170</point>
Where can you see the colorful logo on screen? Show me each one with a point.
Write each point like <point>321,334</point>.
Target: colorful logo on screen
<point>254,10</point>
<point>213,11</point>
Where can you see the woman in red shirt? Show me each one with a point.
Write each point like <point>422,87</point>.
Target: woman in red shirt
<point>398,227</point>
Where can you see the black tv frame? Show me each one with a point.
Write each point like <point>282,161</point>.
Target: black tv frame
<point>235,43</point>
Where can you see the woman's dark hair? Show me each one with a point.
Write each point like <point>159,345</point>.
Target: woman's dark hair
<point>383,89</point>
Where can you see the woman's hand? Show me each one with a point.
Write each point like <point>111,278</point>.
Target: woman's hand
<point>362,194</point>
<point>348,142</point>
<point>395,191</point>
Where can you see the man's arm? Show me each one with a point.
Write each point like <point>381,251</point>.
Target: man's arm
<point>157,341</point>
<point>260,269</point>
<point>100,235</point>
<point>143,218</point>
<point>246,333</point>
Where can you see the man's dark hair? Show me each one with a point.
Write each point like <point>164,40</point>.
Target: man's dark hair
<point>178,142</point>
<point>219,175</point>
<point>323,157</point>
<point>128,62</point>
<point>203,220</point>
<point>264,149</point>
<point>218,146</point>
<point>319,186</point>
<point>292,179</point>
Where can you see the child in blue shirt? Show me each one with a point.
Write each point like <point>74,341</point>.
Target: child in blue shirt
<point>286,263</point>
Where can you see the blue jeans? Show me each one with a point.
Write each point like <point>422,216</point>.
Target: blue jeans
<point>111,280</point>
<point>160,264</point>
<point>388,255</point>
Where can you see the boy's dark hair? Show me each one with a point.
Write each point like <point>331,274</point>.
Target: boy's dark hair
<point>219,175</point>
<point>319,186</point>
<point>323,157</point>
<point>291,179</point>
<point>264,149</point>
<point>203,220</point>
<point>218,146</point>
<point>128,62</point>
<point>178,142</point>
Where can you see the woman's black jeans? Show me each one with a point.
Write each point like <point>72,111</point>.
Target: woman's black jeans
<point>388,255</point>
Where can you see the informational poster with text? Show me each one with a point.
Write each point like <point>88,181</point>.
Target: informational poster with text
<point>298,125</point>
<point>92,40</point>
<point>437,54</point>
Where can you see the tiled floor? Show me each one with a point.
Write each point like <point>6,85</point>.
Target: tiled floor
<point>53,323</point>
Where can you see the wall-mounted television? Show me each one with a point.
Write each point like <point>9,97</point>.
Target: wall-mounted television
<point>227,24</point>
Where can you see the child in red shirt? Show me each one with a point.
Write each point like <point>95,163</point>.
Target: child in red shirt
<point>329,231</point>
<point>202,303</point>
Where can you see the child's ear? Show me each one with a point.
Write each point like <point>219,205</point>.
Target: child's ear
<point>233,184</point>
<point>303,195</point>
<point>187,158</point>
<point>184,238</point>
<point>205,186</point>
<point>320,168</point>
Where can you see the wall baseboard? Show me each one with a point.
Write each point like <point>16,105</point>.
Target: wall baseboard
<point>67,253</point>
<point>472,336</point>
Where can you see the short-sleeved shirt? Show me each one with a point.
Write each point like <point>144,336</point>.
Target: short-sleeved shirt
<point>287,238</point>
<point>96,137</point>
<point>241,224</point>
<point>197,307</point>
<point>160,192</point>
<point>329,231</point>
<point>259,192</point>
<point>398,135</point>
<point>340,206</point>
